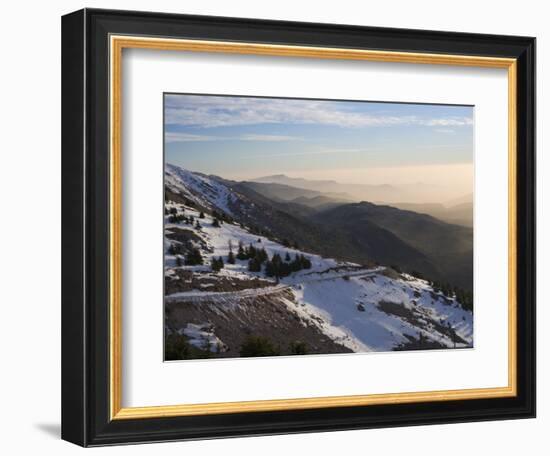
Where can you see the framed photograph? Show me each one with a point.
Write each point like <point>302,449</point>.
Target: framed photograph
<point>278,227</point>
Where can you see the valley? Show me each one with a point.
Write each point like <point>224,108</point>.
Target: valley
<point>250,273</point>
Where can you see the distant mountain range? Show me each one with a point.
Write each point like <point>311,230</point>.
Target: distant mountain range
<point>383,193</point>
<point>326,223</point>
<point>303,191</point>
<point>459,214</point>
<point>250,275</point>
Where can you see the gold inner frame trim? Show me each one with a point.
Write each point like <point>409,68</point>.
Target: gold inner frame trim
<point>117,44</point>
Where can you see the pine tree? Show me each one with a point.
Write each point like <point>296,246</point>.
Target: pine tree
<point>254,265</point>
<point>216,264</point>
<point>241,254</point>
<point>231,257</point>
<point>216,223</point>
<point>201,215</point>
<point>269,269</point>
<point>262,255</point>
<point>193,257</point>
<point>287,257</point>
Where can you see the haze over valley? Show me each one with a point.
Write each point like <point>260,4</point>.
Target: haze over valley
<point>301,227</point>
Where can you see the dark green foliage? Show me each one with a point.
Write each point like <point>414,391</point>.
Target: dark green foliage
<point>250,251</point>
<point>201,215</point>
<point>231,258</point>
<point>396,268</point>
<point>298,348</point>
<point>278,268</point>
<point>241,255</point>
<point>176,249</point>
<point>177,218</point>
<point>177,347</point>
<point>216,264</point>
<point>216,223</point>
<point>465,298</point>
<point>194,257</point>
<point>254,265</point>
<point>418,274</point>
<point>258,346</point>
<point>261,254</point>
<point>222,217</point>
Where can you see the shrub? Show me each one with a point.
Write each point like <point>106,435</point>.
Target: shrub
<point>298,348</point>
<point>258,346</point>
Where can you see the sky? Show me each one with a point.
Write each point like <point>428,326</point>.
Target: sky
<point>242,138</point>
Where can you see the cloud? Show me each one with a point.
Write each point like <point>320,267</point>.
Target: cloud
<point>309,152</point>
<point>215,111</point>
<point>178,137</point>
<point>448,131</point>
<point>174,137</point>
<point>269,138</point>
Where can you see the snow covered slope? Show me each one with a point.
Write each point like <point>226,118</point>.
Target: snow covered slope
<point>333,306</point>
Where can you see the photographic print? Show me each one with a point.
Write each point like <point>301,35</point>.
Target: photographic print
<point>306,226</point>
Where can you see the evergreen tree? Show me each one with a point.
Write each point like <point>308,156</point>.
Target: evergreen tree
<point>287,257</point>
<point>262,255</point>
<point>216,223</point>
<point>269,269</point>
<point>201,215</point>
<point>198,225</point>
<point>305,262</point>
<point>216,264</point>
<point>231,257</point>
<point>193,257</point>
<point>241,254</point>
<point>254,265</point>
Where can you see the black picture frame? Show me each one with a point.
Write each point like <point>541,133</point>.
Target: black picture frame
<point>85,225</point>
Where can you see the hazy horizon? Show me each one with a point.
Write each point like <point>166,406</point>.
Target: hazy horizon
<point>245,138</point>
